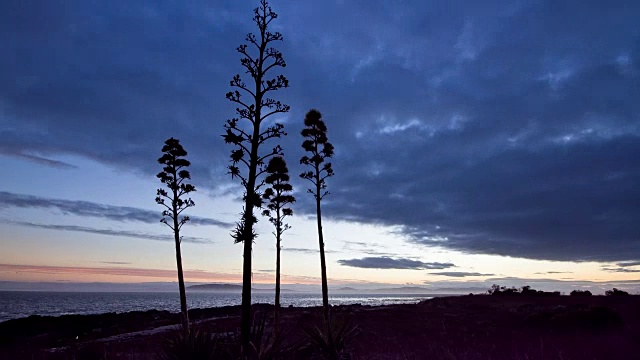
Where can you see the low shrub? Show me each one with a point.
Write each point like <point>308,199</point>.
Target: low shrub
<point>333,340</point>
<point>581,293</point>
<point>616,292</point>
<point>192,345</point>
<point>523,291</point>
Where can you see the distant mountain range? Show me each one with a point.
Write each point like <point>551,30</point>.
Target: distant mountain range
<point>216,287</point>
<point>346,288</point>
<point>403,290</point>
<point>394,290</point>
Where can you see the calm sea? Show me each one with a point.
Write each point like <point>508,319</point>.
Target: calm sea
<point>17,304</point>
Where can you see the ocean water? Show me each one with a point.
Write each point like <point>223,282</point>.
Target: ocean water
<point>17,304</point>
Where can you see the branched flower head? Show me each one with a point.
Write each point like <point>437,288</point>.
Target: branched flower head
<point>319,148</point>
<point>174,175</point>
<point>278,194</point>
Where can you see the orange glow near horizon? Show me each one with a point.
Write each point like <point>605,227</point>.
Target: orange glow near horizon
<point>38,273</point>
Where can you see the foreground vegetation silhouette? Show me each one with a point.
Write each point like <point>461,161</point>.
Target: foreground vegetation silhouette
<point>523,291</point>
<point>460,327</point>
<point>174,175</point>
<point>278,195</point>
<point>317,145</point>
<point>248,135</point>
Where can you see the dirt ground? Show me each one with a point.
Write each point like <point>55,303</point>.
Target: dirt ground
<point>465,327</point>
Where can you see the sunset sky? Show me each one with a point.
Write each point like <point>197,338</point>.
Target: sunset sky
<point>476,142</point>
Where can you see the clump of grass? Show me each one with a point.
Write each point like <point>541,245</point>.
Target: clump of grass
<point>333,340</point>
<point>190,345</point>
<point>264,345</point>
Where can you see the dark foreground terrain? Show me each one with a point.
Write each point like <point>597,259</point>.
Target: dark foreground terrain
<point>465,327</point>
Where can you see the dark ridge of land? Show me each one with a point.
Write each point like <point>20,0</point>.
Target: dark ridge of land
<point>413,290</point>
<point>216,287</point>
<point>463,327</point>
<point>229,288</point>
<point>347,288</point>
<point>402,290</point>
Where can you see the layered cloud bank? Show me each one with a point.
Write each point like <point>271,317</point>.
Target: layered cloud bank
<point>498,128</point>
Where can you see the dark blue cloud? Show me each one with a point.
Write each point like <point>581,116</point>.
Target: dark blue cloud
<point>384,262</point>
<point>498,127</point>
<point>621,270</point>
<point>629,263</point>
<point>111,81</point>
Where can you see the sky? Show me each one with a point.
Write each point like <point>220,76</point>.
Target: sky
<point>475,142</point>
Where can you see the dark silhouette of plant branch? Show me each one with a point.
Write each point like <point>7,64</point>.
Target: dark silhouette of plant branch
<point>246,133</point>
<point>278,195</point>
<point>174,175</point>
<point>319,148</point>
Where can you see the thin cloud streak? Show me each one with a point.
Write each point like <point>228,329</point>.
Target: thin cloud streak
<point>91,209</point>
<point>305,251</point>
<point>460,274</point>
<point>109,232</point>
<point>621,270</point>
<point>629,263</point>
<point>39,159</point>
